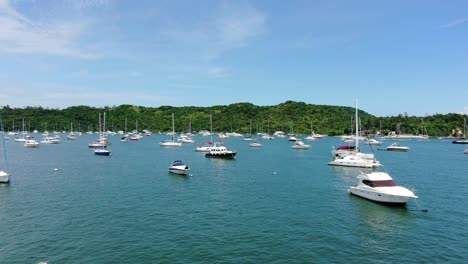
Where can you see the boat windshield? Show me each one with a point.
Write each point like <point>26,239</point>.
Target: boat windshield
<point>387,183</point>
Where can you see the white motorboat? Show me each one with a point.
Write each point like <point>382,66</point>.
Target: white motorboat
<point>204,147</point>
<point>396,147</point>
<point>4,177</point>
<point>102,151</point>
<point>292,138</point>
<point>300,145</point>
<point>31,143</point>
<point>374,141</point>
<point>185,139</point>
<point>220,151</point>
<point>178,167</point>
<point>379,187</point>
<point>124,138</point>
<point>50,140</point>
<point>256,144</point>
<point>466,151</point>
<point>171,142</point>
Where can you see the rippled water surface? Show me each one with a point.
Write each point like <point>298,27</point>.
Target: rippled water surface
<point>271,204</point>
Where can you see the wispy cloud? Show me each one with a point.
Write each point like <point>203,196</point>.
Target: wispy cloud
<point>19,34</point>
<point>62,96</point>
<point>228,27</point>
<point>217,72</point>
<point>455,23</point>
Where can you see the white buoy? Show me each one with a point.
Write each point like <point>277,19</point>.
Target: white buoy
<point>56,169</point>
<point>274,173</point>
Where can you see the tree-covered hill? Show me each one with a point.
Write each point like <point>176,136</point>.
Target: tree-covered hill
<point>290,116</point>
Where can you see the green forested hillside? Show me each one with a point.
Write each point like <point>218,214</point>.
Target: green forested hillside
<point>290,116</point>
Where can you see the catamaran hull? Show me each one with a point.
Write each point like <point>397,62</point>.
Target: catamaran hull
<point>379,197</point>
<point>353,164</point>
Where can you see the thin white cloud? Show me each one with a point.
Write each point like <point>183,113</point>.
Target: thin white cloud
<point>230,27</point>
<point>217,72</point>
<point>455,23</point>
<point>19,34</point>
<point>465,110</point>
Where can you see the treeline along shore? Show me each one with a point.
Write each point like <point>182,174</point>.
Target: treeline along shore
<point>290,117</point>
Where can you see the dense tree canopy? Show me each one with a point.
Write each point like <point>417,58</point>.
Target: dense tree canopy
<point>290,116</point>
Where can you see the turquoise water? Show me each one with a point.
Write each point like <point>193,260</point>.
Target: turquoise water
<point>272,204</point>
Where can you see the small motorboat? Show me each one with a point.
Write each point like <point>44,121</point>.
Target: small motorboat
<point>178,167</point>
<point>396,147</point>
<point>300,145</point>
<point>466,151</point>
<point>31,143</point>
<point>374,141</point>
<point>255,144</point>
<point>220,151</point>
<point>292,138</point>
<point>102,151</point>
<point>4,177</point>
<point>379,187</point>
<point>204,147</point>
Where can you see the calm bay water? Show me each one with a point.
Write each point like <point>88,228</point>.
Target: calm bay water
<point>272,204</point>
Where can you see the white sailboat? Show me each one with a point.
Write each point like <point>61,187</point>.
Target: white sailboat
<point>171,142</point>
<point>355,159</point>
<point>206,146</point>
<point>72,135</point>
<point>4,176</point>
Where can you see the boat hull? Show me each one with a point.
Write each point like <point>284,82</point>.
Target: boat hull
<point>379,197</point>
<point>230,155</point>
<point>4,177</point>
<point>102,152</point>
<point>397,149</point>
<point>179,171</point>
<point>460,141</point>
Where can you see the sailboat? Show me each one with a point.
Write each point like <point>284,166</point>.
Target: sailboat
<point>72,135</point>
<point>171,142</point>
<point>4,176</point>
<point>205,146</point>
<point>249,136</point>
<point>23,138</point>
<point>102,149</point>
<point>311,137</point>
<point>267,136</point>
<point>354,158</point>
<point>462,140</point>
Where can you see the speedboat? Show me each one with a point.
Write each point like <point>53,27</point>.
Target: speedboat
<point>396,147</point>
<point>460,141</point>
<point>124,139</point>
<point>300,145</point>
<point>178,167</point>
<point>379,187</point>
<point>220,151</point>
<point>4,177</point>
<point>292,138</point>
<point>31,143</point>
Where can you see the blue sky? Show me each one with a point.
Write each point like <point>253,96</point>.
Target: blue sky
<point>394,56</point>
